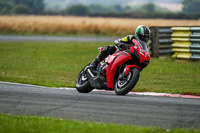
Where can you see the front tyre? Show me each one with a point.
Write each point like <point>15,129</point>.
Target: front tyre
<point>82,82</point>
<point>124,85</point>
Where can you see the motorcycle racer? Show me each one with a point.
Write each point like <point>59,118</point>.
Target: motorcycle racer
<point>142,34</point>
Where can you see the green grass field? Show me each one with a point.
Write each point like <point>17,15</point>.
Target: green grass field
<point>57,64</point>
<point>33,124</point>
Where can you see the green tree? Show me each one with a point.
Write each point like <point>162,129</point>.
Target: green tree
<point>35,6</point>
<point>118,8</point>
<point>191,6</point>
<point>97,8</point>
<point>5,6</point>
<point>21,9</point>
<point>79,10</point>
<point>149,7</point>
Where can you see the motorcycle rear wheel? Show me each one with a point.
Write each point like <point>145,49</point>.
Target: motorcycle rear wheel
<point>82,82</point>
<point>124,85</point>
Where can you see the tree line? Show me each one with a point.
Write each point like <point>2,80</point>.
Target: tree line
<point>22,6</point>
<point>190,10</point>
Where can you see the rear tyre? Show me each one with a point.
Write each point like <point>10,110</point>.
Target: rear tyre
<point>124,85</point>
<point>82,82</point>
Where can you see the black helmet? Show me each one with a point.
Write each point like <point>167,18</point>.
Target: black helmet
<point>142,32</point>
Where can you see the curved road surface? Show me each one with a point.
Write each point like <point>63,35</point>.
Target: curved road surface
<point>100,106</point>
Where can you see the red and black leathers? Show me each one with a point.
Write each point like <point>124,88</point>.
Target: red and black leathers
<point>122,44</point>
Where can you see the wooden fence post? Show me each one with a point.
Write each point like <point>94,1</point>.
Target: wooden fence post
<point>155,42</point>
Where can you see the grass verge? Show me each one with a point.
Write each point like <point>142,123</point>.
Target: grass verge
<point>33,124</point>
<point>57,64</point>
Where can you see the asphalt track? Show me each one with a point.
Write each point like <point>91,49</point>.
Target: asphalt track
<point>100,106</point>
<point>20,38</point>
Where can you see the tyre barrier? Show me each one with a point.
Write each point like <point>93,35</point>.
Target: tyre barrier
<point>186,42</point>
<point>180,42</point>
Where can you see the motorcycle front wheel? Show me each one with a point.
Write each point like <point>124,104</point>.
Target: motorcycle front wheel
<point>124,85</point>
<point>82,82</point>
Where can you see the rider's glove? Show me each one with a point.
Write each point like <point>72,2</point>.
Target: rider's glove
<point>122,45</point>
<point>119,44</point>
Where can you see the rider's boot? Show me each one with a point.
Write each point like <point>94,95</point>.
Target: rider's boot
<point>94,63</point>
<point>103,54</point>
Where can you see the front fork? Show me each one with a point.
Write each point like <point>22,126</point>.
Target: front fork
<point>128,68</point>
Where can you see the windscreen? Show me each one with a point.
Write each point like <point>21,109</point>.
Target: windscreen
<point>143,45</point>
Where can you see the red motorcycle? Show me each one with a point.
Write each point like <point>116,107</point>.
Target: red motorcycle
<point>119,72</point>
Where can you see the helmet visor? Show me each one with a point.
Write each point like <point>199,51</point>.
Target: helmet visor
<point>144,38</point>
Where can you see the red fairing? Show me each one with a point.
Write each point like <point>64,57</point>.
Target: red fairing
<point>128,67</point>
<point>115,61</point>
<point>119,58</point>
<point>144,55</point>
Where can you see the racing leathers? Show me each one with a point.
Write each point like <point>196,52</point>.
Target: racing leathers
<point>122,44</point>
